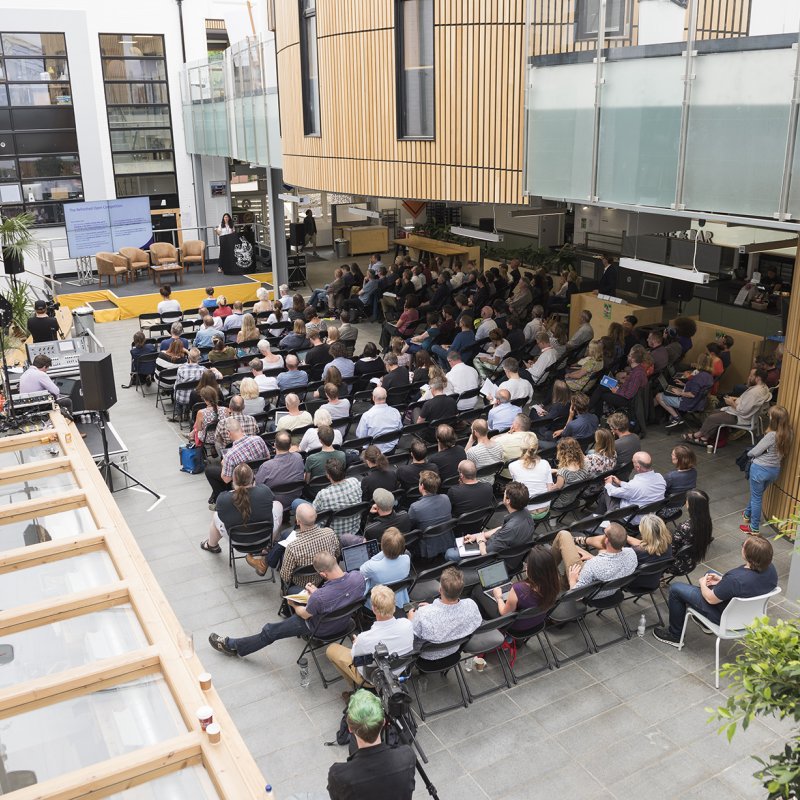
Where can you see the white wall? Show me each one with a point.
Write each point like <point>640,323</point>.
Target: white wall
<point>660,21</point>
<point>774,16</point>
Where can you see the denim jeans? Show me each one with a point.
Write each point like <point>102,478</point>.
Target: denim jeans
<point>683,595</point>
<point>760,478</point>
<point>451,554</point>
<point>271,632</point>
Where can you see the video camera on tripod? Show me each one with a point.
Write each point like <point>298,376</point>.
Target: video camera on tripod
<point>394,697</point>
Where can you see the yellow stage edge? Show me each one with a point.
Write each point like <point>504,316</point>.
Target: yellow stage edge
<point>131,307</point>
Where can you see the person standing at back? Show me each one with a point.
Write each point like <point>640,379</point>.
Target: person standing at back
<point>41,326</point>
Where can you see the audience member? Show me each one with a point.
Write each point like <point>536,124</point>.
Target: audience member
<point>645,487</point>
<point>342,493</point>
<point>515,438</point>
<point>408,474</point>
<point>469,494</point>
<point>627,442</point>
<point>535,474</point>
<point>584,333</point>
<point>684,476</point>
<point>285,468</point>
<point>243,448</point>
<point>380,419</point>
<point>431,509</point>
<point>571,468</point>
<point>392,564</point>
<point>380,475</point>
<point>383,515</point>
<point>440,406</point>
<point>234,412</point>
<point>294,418</point>
<point>694,534</point>
<point>603,455</point>
<point>503,413</point>
<point>449,453</point>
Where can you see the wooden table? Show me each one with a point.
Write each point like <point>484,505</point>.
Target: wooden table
<point>156,272</point>
<point>433,246</point>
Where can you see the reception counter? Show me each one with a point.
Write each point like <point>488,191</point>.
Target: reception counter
<point>605,312</point>
<point>366,238</point>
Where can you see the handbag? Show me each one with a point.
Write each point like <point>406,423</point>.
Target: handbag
<point>191,459</point>
<point>744,462</point>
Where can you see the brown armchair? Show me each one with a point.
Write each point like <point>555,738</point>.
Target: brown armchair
<point>163,253</point>
<point>137,260</point>
<point>193,251</point>
<point>111,264</point>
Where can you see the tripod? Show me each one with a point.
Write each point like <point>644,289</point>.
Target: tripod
<point>106,466</point>
<point>405,728</point>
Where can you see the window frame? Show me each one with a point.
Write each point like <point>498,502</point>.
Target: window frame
<point>620,31</point>
<point>399,68</point>
<point>305,83</point>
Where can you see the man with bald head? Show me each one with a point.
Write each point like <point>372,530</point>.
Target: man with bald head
<point>293,378</point>
<point>501,416</point>
<point>646,486</point>
<point>295,418</point>
<point>234,411</point>
<point>470,494</point>
<point>380,419</point>
<point>487,323</point>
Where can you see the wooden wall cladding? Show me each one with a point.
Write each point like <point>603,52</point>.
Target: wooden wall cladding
<point>476,155</point>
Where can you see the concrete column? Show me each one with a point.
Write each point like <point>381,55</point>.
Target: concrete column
<point>277,231</point>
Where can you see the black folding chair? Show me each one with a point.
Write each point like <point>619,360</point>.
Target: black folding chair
<point>252,538</point>
<point>521,638</point>
<point>645,571</point>
<point>473,648</point>
<point>613,600</point>
<point>441,666</point>
<point>571,607</point>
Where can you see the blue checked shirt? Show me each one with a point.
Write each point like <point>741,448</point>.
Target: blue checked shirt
<point>340,495</point>
<point>186,373</point>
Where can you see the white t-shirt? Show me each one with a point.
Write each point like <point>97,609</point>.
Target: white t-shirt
<point>462,378</point>
<point>517,388</point>
<point>532,328</point>
<point>167,306</point>
<point>535,478</point>
<point>310,440</point>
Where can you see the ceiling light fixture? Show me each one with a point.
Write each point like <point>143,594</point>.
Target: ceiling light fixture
<point>689,274</point>
<point>475,233</point>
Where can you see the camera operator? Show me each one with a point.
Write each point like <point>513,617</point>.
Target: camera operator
<point>396,634</point>
<point>41,325</point>
<point>375,771</point>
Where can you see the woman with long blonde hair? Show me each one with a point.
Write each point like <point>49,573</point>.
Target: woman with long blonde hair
<point>765,466</point>
<point>534,472</point>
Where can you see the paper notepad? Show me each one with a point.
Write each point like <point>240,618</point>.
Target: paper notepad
<point>489,388</point>
<point>466,550</point>
<point>301,598</point>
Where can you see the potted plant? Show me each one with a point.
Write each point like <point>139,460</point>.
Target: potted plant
<point>16,240</point>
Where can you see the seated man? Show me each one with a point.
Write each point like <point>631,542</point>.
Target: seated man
<point>243,449</point>
<point>517,528</point>
<point>188,372</point>
<point>286,467</point>
<point>622,395</point>
<point>645,487</point>
<point>383,516</point>
<point>613,561</point>
<point>408,474</point>
<point>481,450</point>
<point>342,492</point>
<point>234,411</point>
<point>431,509</point>
<point>375,769</point>
<point>293,378</point>
<point>756,577</point>
<point>449,455</point>
<point>353,664</point>
<point>339,590</point>
<point>502,414</point>
<point>295,418</point>
<point>470,494</point>
<point>581,423</point>
<point>447,618</point>
<point>514,440</point>
<point>380,419</point>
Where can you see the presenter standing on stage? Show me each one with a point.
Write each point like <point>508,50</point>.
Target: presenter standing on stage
<point>227,241</point>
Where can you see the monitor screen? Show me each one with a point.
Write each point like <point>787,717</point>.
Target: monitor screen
<point>587,269</point>
<point>651,289</point>
<point>493,575</point>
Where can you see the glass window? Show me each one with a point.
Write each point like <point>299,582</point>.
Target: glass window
<point>80,731</point>
<point>34,44</point>
<point>37,69</point>
<point>134,69</point>
<point>588,23</point>
<point>49,166</point>
<point>192,782</point>
<point>136,93</point>
<point>43,119</point>
<point>138,117</point>
<point>8,168</point>
<point>131,45</point>
<point>39,94</point>
<point>55,142</point>
<point>62,189</point>
<point>415,75</point>
<point>55,578</point>
<point>61,525</point>
<point>309,67</point>
<point>3,95</point>
<point>29,455</point>
<point>10,193</point>
<point>138,163</point>
<point>50,214</point>
<point>140,185</point>
<point>122,140</point>
<point>71,642</point>
<point>5,116</point>
<point>41,486</point>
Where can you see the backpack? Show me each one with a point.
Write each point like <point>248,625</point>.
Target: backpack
<point>191,459</point>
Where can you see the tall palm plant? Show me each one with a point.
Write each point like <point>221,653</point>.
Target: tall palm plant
<point>16,238</point>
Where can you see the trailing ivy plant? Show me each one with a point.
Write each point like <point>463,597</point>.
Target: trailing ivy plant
<point>765,681</point>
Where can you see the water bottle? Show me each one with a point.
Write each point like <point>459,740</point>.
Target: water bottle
<point>268,791</point>
<point>304,676</point>
<point>642,627</point>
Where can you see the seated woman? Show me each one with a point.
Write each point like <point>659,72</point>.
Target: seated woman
<point>141,372</point>
<point>207,379</point>
<point>655,544</point>
<point>269,359</point>
<point>498,348</point>
<point>558,410</point>
<point>370,365</point>
<point>278,315</point>
<point>560,299</point>
<point>222,352</point>
<point>695,533</point>
<point>168,305</point>
<point>539,590</point>
<point>296,340</point>
<point>603,455</point>
<point>223,309</point>
<point>684,476</point>
<point>592,362</point>
<point>422,364</point>
<point>310,440</point>
<point>205,416</point>
<point>335,377</point>
<point>571,469</point>
<point>403,359</point>
<point>390,565</point>
<point>174,355</point>
<point>298,309</point>
<point>263,304</point>
<point>534,472</point>
<point>244,504</point>
<point>687,398</point>
<point>249,332</point>
<point>253,402</point>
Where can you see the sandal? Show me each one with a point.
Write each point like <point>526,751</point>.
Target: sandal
<point>580,541</point>
<point>209,549</point>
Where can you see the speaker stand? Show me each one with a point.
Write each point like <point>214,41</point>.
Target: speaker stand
<point>106,466</point>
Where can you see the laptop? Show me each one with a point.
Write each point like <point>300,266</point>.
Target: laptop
<point>279,415</point>
<point>357,554</point>
<point>609,382</point>
<point>493,576</point>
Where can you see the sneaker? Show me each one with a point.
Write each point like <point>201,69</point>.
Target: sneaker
<point>258,564</point>
<point>663,635</point>
<point>749,530</point>
<point>702,627</point>
<point>674,423</point>
<point>220,644</point>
